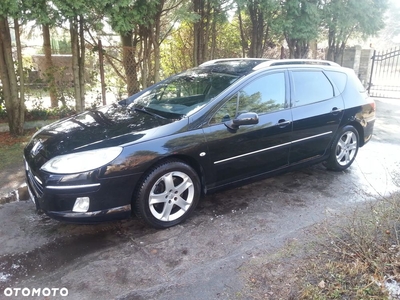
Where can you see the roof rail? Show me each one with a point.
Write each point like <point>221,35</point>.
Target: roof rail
<point>280,62</point>
<point>221,60</point>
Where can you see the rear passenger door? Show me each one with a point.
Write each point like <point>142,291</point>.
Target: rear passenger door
<point>317,110</point>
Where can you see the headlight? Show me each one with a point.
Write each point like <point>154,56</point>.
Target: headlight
<point>81,161</point>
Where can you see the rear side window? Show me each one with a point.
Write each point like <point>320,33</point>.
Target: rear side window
<point>338,78</point>
<point>356,81</point>
<point>310,87</point>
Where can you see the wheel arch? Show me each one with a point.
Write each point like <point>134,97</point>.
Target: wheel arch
<point>190,161</point>
<point>360,131</point>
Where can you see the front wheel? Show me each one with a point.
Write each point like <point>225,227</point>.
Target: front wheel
<point>168,194</point>
<point>344,149</point>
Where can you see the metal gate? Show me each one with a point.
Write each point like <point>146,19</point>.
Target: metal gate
<point>385,74</point>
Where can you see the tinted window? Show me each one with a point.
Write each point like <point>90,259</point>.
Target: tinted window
<point>356,81</point>
<point>310,87</point>
<point>338,78</point>
<point>263,95</point>
<point>185,93</point>
<point>226,112</point>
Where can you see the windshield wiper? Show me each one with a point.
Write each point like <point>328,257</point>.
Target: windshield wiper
<point>142,109</point>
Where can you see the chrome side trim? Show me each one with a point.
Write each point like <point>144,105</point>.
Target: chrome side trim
<point>311,137</point>
<point>68,187</point>
<point>270,148</point>
<point>250,153</point>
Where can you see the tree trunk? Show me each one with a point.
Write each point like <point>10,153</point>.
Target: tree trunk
<point>257,30</point>
<point>290,44</point>
<point>156,41</point>
<point>80,102</point>
<point>82,61</point>
<point>129,62</point>
<point>201,30</point>
<point>242,35</point>
<point>146,58</point>
<point>297,48</point>
<point>213,34</point>
<point>198,6</point>
<point>49,71</point>
<point>20,70</point>
<point>14,104</point>
<point>330,55</point>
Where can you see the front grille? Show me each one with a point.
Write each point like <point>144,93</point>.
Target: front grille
<point>34,182</point>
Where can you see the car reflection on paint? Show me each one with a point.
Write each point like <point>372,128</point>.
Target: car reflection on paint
<point>224,123</point>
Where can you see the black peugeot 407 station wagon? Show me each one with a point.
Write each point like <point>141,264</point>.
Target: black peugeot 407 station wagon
<point>223,123</point>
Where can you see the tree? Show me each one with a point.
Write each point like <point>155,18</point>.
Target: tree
<point>300,24</point>
<point>78,14</point>
<point>11,90</point>
<point>209,17</point>
<point>391,33</point>
<point>203,10</point>
<point>344,19</point>
<point>78,59</point>
<point>137,22</point>
<point>262,15</point>
<point>45,15</point>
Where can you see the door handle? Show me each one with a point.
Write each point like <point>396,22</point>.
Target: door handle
<point>335,111</point>
<point>283,123</point>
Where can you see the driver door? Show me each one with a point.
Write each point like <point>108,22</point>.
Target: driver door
<point>251,149</point>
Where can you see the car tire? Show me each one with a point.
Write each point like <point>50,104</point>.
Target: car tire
<point>167,194</point>
<point>344,149</point>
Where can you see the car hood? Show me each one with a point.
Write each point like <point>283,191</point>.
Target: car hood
<point>107,126</point>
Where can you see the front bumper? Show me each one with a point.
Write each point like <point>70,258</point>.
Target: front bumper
<point>116,213</point>
<point>110,198</point>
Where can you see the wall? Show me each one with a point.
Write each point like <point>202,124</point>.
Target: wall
<point>360,61</point>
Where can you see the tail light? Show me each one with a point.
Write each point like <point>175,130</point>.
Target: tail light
<point>373,105</point>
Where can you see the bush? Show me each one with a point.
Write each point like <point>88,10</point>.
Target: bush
<point>37,114</point>
<point>49,113</point>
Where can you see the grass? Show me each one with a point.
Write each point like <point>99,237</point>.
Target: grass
<point>11,148</point>
<point>351,256</point>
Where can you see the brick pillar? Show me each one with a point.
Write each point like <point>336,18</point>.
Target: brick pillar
<point>365,65</point>
<point>351,58</point>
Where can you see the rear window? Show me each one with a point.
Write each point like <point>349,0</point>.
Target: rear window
<point>339,79</point>
<point>358,85</point>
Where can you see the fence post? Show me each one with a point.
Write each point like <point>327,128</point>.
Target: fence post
<point>372,72</point>
<point>101,63</point>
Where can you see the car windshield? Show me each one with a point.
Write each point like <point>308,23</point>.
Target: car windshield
<point>185,93</point>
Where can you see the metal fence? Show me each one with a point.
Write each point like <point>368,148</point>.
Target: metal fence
<point>385,74</point>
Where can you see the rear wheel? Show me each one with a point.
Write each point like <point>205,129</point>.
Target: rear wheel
<point>168,194</point>
<point>344,149</point>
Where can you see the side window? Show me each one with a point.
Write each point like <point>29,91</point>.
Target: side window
<point>262,95</point>
<point>310,87</point>
<point>226,112</point>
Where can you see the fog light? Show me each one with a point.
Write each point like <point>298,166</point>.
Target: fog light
<point>81,204</point>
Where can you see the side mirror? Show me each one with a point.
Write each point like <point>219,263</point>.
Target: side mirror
<point>243,119</point>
